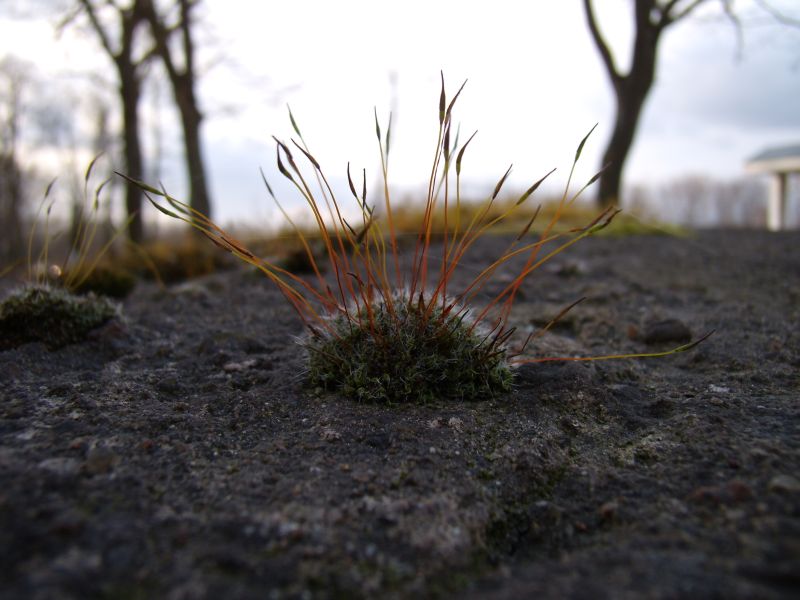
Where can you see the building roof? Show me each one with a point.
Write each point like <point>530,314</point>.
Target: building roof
<point>783,159</point>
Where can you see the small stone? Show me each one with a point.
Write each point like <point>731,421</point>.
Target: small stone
<point>362,476</point>
<point>718,389</point>
<point>759,453</point>
<point>734,491</point>
<point>570,268</point>
<point>380,440</point>
<point>26,435</point>
<point>100,460</point>
<point>738,491</point>
<point>232,367</point>
<point>329,434</point>
<point>61,466</point>
<point>735,514</point>
<point>668,330</point>
<point>706,493</point>
<point>608,510</point>
<point>76,560</point>
<point>784,484</point>
<point>67,523</point>
<point>164,513</point>
<point>455,423</point>
<point>168,385</point>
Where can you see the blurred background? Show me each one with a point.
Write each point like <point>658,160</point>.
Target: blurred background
<point>189,93</point>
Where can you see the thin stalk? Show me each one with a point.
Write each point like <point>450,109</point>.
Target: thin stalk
<point>678,350</point>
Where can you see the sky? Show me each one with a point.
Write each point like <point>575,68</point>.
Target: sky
<point>535,87</point>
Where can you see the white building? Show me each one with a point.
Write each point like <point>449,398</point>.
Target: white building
<point>780,163</point>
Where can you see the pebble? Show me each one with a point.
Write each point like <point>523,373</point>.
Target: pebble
<point>232,367</point>
<point>608,511</point>
<point>75,560</point>
<point>100,460</point>
<point>571,268</point>
<point>668,330</point>
<point>738,491</point>
<point>734,491</point>
<point>455,423</point>
<point>26,436</point>
<point>783,483</point>
<point>69,522</point>
<point>329,434</point>
<point>61,466</point>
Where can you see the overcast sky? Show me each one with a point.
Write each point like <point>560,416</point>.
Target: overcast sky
<point>536,86</point>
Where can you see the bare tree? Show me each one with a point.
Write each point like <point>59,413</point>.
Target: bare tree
<point>183,80</point>
<point>651,19</point>
<point>121,46</point>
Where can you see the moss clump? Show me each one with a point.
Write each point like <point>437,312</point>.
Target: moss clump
<point>404,356</point>
<point>51,316</point>
<point>107,281</point>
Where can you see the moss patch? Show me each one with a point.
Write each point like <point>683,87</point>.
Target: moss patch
<point>51,316</point>
<point>406,356</point>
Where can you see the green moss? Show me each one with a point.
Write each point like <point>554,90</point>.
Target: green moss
<point>107,281</point>
<point>51,316</point>
<point>406,357</point>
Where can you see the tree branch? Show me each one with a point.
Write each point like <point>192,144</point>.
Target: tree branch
<point>67,19</point>
<point>188,46</point>
<point>727,8</point>
<point>101,33</point>
<point>161,37</point>
<point>667,18</point>
<point>600,42</point>
<point>780,17</point>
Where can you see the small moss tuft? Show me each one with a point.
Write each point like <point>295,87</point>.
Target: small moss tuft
<point>52,316</point>
<point>406,357</point>
<point>107,281</point>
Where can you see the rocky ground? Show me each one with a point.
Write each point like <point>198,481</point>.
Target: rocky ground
<point>177,454</point>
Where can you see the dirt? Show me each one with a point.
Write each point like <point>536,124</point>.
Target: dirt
<point>178,454</point>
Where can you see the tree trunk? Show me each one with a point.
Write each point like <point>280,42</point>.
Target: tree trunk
<point>11,177</point>
<point>130,94</point>
<point>129,70</point>
<point>190,120</point>
<point>630,101</point>
<point>183,82</point>
<point>11,201</point>
<point>631,91</point>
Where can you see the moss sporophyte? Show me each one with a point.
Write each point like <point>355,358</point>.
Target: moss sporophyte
<point>381,333</point>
